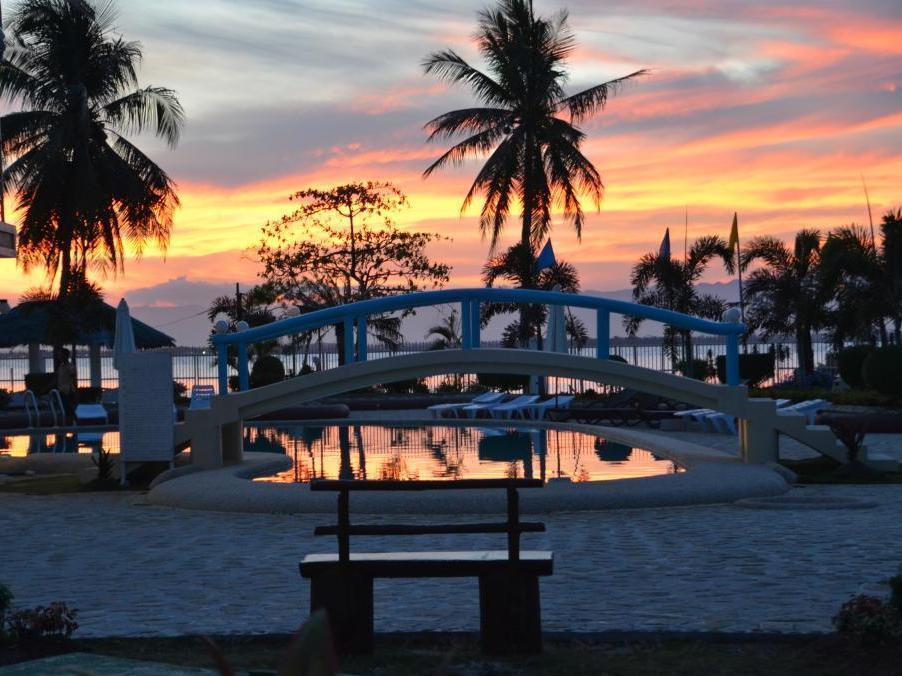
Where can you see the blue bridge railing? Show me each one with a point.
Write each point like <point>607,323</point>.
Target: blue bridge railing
<point>353,317</point>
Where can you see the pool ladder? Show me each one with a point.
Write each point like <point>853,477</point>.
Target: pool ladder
<point>33,410</point>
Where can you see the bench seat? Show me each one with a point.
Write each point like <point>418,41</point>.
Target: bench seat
<point>432,564</point>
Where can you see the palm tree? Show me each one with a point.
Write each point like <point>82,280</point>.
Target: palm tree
<point>534,155</point>
<point>786,296</point>
<point>666,282</point>
<point>82,187</point>
<point>867,281</point>
<point>446,333</point>
<point>850,266</point>
<point>517,267</point>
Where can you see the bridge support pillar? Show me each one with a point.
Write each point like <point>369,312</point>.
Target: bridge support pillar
<point>206,447</point>
<point>232,443</point>
<point>759,441</point>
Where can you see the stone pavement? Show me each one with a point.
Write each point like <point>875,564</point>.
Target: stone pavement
<point>133,569</point>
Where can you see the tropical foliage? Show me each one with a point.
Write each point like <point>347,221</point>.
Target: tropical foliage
<point>342,246</point>
<point>663,281</point>
<point>527,123</point>
<point>83,188</point>
<point>446,335</point>
<point>785,295</point>
<point>516,267</point>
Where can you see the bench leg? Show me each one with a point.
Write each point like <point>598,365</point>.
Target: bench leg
<point>347,599</point>
<point>509,615</point>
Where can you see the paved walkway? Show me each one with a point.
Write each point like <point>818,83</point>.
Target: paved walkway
<point>133,569</point>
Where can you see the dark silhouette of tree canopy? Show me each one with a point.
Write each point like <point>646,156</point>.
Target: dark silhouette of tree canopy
<point>670,283</point>
<point>517,267</point>
<point>785,297</point>
<point>83,189</point>
<point>534,154</point>
<point>341,246</point>
<point>446,335</point>
<point>866,281</point>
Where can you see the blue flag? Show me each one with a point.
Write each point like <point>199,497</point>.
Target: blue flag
<point>546,257</point>
<point>664,251</point>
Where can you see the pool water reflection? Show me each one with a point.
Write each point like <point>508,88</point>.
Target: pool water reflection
<point>440,452</point>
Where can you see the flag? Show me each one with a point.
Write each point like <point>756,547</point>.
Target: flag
<point>664,251</point>
<point>734,234</point>
<point>546,257</point>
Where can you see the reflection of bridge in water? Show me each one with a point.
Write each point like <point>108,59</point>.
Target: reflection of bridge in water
<point>425,452</point>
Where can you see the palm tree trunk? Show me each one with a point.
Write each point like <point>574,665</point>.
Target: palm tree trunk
<point>805,350</point>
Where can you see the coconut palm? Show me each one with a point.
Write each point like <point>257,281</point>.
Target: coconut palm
<point>666,282</point>
<point>850,266</point>
<point>446,334</point>
<point>83,189</point>
<point>785,296</point>
<point>866,278</point>
<point>534,154</point>
<point>516,266</point>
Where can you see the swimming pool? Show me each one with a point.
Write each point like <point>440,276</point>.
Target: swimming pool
<point>377,451</point>
<point>448,452</point>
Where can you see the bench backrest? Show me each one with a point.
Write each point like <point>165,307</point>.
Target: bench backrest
<point>512,527</point>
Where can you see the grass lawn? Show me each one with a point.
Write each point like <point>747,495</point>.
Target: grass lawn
<point>563,656</point>
<point>43,485</point>
<point>822,470</point>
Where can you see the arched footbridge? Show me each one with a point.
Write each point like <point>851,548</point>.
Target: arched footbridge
<point>215,434</point>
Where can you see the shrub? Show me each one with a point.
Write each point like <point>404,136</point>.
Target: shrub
<point>180,392</point>
<point>448,387</point>
<point>90,395</point>
<point>822,379</point>
<point>4,398</point>
<point>503,381</point>
<point>266,371</point>
<point>54,621</point>
<point>850,362</point>
<point>868,620</point>
<point>697,369</point>
<point>882,370</point>
<point>402,386</point>
<point>754,368</point>
<point>40,383</point>
<point>104,462</point>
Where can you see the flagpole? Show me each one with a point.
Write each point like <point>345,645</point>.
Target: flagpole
<point>686,236</point>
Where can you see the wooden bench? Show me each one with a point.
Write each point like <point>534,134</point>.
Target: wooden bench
<point>342,583</point>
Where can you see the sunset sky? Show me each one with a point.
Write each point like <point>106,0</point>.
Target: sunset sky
<point>772,109</point>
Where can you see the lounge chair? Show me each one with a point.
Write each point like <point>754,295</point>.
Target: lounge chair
<point>201,396</point>
<point>90,414</point>
<point>472,410</point>
<point>454,409</point>
<point>809,409</point>
<point>539,410</point>
<point>511,409</point>
<point>696,415</point>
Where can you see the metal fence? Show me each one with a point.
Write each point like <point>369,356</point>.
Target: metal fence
<point>197,365</point>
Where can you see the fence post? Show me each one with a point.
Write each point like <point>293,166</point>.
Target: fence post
<point>361,338</point>
<point>732,359</point>
<point>603,331</point>
<point>475,322</point>
<point>223,366</point>
<point>349,340</point>
<point>243,375</point>
<point>465,328</point>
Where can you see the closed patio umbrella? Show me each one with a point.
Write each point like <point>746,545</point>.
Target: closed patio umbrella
<point>124,342</point>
